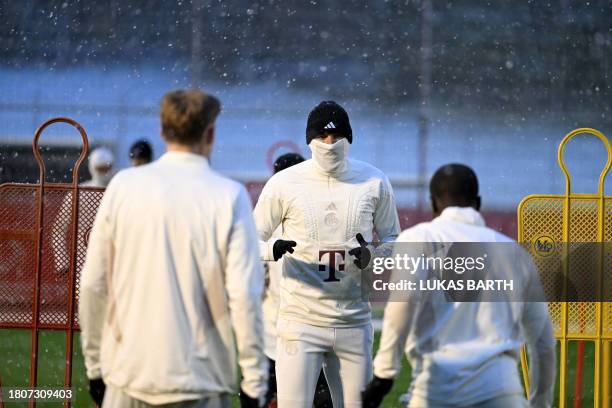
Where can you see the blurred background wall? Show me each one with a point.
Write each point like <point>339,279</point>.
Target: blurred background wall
<point>494,85</point>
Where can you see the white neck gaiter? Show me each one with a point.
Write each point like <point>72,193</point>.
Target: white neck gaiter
<point>331,158</point>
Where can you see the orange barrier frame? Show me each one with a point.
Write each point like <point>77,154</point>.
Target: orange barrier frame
<point>31,245</point>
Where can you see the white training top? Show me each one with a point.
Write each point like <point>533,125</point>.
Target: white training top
<point>271,301</point>
<point>172,265</point>
<point>323,213</point>
<point>464,353</point>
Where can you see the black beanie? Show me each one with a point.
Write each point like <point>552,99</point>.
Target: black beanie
<point>287,160</point>
<point>141,150</point>
<point>328,118</point>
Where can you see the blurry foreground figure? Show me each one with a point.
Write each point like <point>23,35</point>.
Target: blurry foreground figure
<point>464,354</point>
<point>100,163</point>
<point>141,153</point>
<point>172,266</point>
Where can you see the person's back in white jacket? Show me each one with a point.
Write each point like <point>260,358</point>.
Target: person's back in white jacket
<point>464,354</point>
<point>323,204</point>
<point>172,266</point>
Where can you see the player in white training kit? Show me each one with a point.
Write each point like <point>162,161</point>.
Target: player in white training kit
<point>100,164</point>
<point>172,282</point>
<point>323,204</point>
<point>464,354</point>
<point>271,299</point>
<point>322,398</point>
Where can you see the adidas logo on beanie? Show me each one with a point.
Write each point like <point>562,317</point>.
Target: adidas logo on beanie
<point>328,118</point>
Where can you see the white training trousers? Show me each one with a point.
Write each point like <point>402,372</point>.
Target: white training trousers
<point>115,398</point>
<point>302,349</point>
<point>504,401</point>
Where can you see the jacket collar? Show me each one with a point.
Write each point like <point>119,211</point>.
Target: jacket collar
<point>184,157</point>
<point>464,215</point>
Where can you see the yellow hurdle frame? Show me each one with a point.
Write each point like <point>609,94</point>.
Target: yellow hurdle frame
<point>574,218</point>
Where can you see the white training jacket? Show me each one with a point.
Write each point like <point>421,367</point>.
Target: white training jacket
<point>271,301</point>
<point>464,353</point>
<point>323,212</point>
<point>172,265</point>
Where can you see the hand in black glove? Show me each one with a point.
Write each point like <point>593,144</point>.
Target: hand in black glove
<point>361,253</point>
<point>248,402</point>
<point>96,390</point>
<point>375,392</point>
<point>281,247</point>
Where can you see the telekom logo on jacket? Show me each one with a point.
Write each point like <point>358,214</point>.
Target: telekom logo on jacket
<point>331,253</point>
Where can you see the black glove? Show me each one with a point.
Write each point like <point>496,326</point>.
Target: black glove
<point>248,402</point>
<point>281,247</point>
<point>96,390</point>
<point>375,392</point>
<point>361,253</point>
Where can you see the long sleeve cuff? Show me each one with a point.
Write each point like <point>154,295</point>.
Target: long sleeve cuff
<point>265,250</point>
<point>384,368</point>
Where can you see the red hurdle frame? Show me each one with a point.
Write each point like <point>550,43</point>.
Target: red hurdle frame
<point>40,259</point>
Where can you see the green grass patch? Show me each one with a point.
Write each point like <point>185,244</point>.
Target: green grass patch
<point>15,368</point>
<point>15,346</point>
